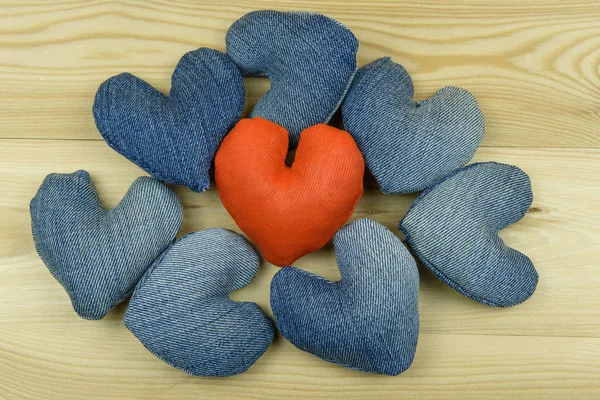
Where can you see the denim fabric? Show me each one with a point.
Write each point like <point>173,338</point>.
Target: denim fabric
<point>310,59</point>
<point>369,320</point>
<point>174,138</point>
<point>453,228</point>
<point>181,309</point>
<point>408,146</point>
<point>99,255</point>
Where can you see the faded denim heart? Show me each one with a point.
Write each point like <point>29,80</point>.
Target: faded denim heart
<point>181,309</point>
<point>453,228</point>
<point>174,138</point>
<point>408,146</point>
<point>310,59</point>
<point>99,255</point>
<point>369,320</point>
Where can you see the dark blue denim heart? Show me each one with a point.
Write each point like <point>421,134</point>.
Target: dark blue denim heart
<point>174,138</point>
<point>99,255</point>
<point>181,309</point>
<point>310,59</point>
<point>453,228</point>
<point>369,320</point>
<point>408,146</point>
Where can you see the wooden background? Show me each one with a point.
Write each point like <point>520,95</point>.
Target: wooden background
<point>533,66</point>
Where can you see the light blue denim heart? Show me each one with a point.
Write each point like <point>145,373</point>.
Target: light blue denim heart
<point>453,228</point>
<point>174,138</point>
<point>99,255</point>
<point>181,309</point>
<point>310,59</point>
<point>408,146</point>
<point>369,320</point>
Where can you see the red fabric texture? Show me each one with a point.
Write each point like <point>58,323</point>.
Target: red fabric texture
<point>288,212</point>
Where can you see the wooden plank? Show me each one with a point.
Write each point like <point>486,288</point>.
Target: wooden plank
<point>533,66</point>
<point>561,234</point>
<point>82,359</point>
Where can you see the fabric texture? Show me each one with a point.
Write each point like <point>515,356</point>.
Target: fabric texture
<point>369,320</point>
<point>288,211</point>
<point>174,138</point>
<point>409,145</point>
<point>453,228</point>
<point>99,255</point>
<point>181,309</point>
<point>309,58</point>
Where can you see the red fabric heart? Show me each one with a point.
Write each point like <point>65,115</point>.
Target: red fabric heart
<point>288,212</point>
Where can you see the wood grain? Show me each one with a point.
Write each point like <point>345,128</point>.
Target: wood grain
<point>105,361</point>
<point>520,59</point>
<point>463,345</point>
<point>534,67</point>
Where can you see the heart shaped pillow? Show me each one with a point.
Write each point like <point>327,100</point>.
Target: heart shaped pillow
<point>288,211</point>
<point>369,320</point>
<point>408,146</point>
<point>174,138</point>
<point>309,58</point>
<point>99,255</point>
<point>181,309</point>
<point>453,228</point>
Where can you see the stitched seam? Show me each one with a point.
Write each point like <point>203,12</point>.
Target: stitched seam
<point>109,140</point>
<point>428,264</point>
<point>343,96</point>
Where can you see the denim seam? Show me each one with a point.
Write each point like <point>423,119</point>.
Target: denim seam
<point>385,343</point>
<point>150,269</point>
<point>187,368</point>
<point>343,97</point>
<point>370,350</point>
<point>45,261</point>
<point>314,13</point>
<point>443,117</point>
<point>443,179</point>
<point>281,330</point>
<point>430,265</point>
<point>53,273</point>
<point>443,277</point>
<point>75,290</point>
<point>107,135</point>
<point>212,309</point>
<point>356,323</point>
<point>69,291</point>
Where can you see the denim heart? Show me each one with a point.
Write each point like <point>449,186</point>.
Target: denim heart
<point>309,58</point>
<point>453,228</point>
<point>174,138</point>
<point>181,309</point>
<point>369,320</point>
<point>288,211</point>
<point>99,255</point>
<point>408,146</point>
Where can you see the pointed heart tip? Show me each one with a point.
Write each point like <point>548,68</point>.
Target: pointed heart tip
<point>368,320</point>
<point>98,255</point>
